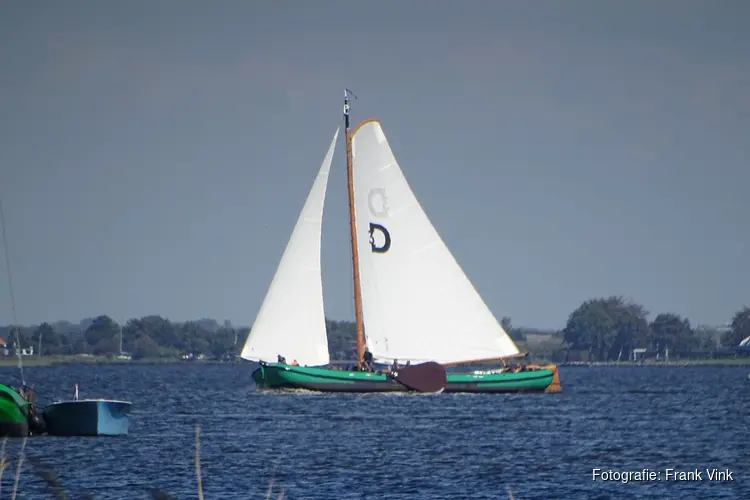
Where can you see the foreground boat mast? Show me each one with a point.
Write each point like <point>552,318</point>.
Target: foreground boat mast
<point>353,232</point>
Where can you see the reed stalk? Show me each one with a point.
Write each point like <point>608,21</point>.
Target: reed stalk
<point>198,460</point>
<point>3,464</point>
<point>18,469</point>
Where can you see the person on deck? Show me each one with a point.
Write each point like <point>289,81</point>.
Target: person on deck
<point>281,359</point>
<point>294,363</point>
<point>367,360</point>
<point>29,394</point>
<point>394,366</point>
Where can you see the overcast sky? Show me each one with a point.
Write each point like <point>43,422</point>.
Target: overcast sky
<point>154,155</point>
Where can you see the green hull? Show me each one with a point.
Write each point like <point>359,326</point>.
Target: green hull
<point>14,413</point>
<point>282,376</point>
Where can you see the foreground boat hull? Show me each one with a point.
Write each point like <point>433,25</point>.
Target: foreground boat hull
<point>88,417</point>
<point>14,413</point>
<point>282,376</point>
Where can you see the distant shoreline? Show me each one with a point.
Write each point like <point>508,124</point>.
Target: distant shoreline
<point>741,361</point>
<point>11,361</point>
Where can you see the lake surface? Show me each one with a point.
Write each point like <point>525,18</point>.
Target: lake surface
<point>330,447</point>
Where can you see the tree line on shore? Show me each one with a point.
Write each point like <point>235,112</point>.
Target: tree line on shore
<point>611,328</point>
<point>147,337</point>
<point>598,330</point>
<point>152,337</point>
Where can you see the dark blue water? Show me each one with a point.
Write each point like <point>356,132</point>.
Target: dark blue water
<point>398,446</point>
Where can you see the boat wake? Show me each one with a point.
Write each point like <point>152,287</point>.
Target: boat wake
<point>307,392</point>
<point>278,392</point>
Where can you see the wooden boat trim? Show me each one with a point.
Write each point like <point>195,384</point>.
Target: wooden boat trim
<point>486,360</point>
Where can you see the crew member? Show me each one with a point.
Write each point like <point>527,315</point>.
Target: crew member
<point>367,360</point>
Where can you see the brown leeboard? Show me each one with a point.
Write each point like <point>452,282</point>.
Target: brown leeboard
<point>424,377</point>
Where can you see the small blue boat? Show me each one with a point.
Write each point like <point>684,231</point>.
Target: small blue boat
<point>88,417</point>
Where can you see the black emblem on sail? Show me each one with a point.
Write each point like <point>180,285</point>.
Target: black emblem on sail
<point>377,202</point>
<point>386,235</point>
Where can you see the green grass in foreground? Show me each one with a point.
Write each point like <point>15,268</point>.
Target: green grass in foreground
<point>57,491</point>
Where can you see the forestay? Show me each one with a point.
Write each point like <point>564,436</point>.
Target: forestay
<point>417,303</point>
<point>291,320</point>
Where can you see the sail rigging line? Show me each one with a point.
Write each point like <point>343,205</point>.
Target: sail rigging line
<point>359,323</point>
<point>12,294</point>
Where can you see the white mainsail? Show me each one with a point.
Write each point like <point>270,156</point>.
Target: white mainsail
<point>291,320</point>
<point>418,304</point>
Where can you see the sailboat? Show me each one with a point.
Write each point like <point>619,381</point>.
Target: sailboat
<point>413,303</point>
<point>123,356</point>
<point>18,417</point>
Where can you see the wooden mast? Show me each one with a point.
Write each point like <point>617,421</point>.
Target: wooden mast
<point>353,232</point>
